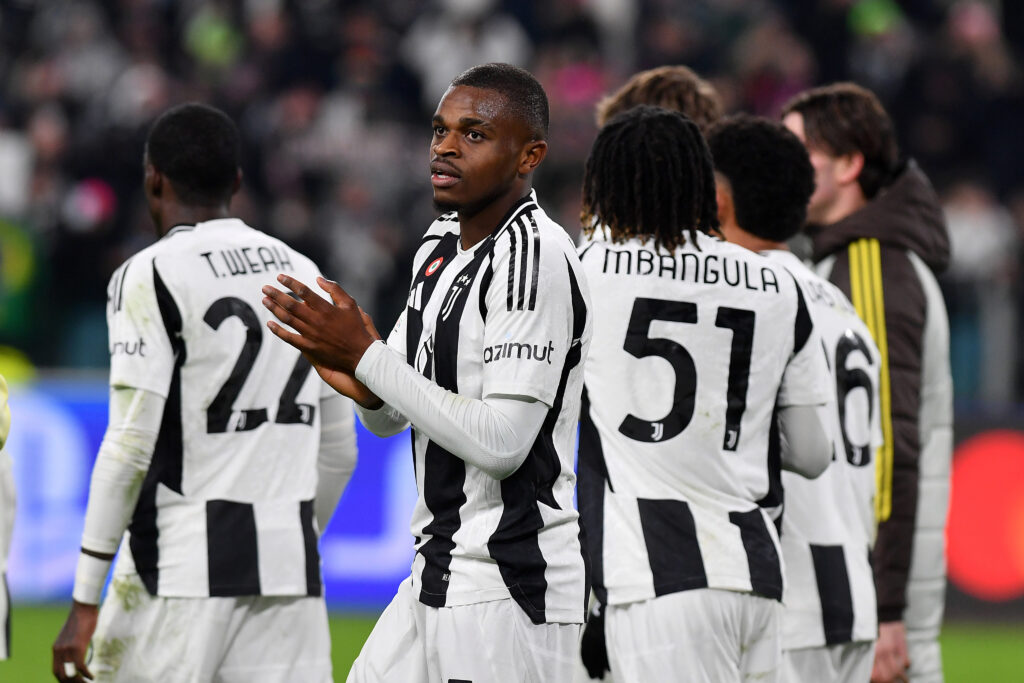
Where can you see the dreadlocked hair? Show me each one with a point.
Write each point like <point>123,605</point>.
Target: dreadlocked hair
<point>649,175</point>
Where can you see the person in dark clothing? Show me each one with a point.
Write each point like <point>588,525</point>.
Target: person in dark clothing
<point>879,235</point>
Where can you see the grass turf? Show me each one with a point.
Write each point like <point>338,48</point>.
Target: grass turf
<point>971,652</point>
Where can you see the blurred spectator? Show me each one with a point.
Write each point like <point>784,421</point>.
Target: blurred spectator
<point>334,101</point>
<point>979,288</point>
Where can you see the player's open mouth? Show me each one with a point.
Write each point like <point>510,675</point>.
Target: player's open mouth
<point>443,179</point>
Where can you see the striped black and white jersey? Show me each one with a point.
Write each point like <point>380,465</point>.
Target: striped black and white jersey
<point>829,522</point>
<point>507,317</point>
<point>226,508</point>
<point>693,351</point>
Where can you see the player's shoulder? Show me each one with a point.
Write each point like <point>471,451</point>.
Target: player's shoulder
<point>818,292</point>
<point>529,233</point>
<point>445,224</point>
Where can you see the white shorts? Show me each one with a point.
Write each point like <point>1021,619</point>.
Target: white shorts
<point>142,639</point>
<point>698,636</point>
<point>489,642</point>
<point>843,663</point>
<point>7,502</point>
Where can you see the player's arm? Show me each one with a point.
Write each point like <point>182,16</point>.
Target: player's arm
<point>336,459</point>
<point>385,420</point>
<point>121,465</point>
<point>806,448</point>
<point>494,435</point>
<point>803,440</point>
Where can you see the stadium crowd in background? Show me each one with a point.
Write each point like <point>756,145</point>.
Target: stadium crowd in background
<point>332,99</point>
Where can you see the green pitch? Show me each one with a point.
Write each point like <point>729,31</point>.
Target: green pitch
<point>972,652</point>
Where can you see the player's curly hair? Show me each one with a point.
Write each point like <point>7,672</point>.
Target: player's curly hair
<point>672,87</point>
<point>768,172</point>
<point>198,148</point>
<point>649,175</point>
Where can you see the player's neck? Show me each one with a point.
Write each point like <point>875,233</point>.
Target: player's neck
<point>849,201</point>
<point>479,225</point>
<point>737,235</point>
<point>183,214</point>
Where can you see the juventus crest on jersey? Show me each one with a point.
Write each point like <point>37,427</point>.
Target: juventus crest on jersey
<point>226,507</point>
<point>829,524</point>
<point>693,350</point>
<point>508,317</point>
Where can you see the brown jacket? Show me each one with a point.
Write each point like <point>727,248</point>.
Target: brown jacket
<point>885,257</point>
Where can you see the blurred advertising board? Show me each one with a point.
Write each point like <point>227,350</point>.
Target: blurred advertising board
<point>57,428</point>
<point>367,549</point>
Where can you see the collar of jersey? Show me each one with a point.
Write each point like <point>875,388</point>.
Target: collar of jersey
<point>459,251</point>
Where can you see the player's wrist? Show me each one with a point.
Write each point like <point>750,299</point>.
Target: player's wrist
<point>90,576</point>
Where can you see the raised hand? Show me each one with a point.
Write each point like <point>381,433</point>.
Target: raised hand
<point>333,336</point>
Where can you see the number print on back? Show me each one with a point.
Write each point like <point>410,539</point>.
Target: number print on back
<point>221,416</point>
<point>639,344</point>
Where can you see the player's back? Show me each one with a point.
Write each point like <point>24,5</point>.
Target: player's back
<point>686,367</point>
<point>829,524</point>
<point>226,507</point>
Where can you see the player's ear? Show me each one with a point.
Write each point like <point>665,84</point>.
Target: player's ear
<point>848,167</point>
<point>238,183</point>
<point>723,196</point>
<point>533,153</point>
<point>153,181</point>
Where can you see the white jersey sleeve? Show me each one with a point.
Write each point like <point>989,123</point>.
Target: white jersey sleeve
<point>141,356</point>
<point>525,345</point>
<point>803,382</point>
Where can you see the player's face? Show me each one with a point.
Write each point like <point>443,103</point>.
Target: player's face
<point>476,150</point>
<point>826,183</point>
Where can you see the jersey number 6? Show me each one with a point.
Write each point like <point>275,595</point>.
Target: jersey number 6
<point>220,416</point>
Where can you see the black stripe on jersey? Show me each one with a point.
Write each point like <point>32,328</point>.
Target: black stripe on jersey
<point>536,263</point>
<point>511,268</point>
<point>485,285</point>
<point>446,249</point>
<point>670,535</point>
<point>515,544</point>
<point>444,474</point>
<point>450,217</point>
<point>583,252</point>
<point>309,542</point>
<point>775,497</point>
<point>834,590</point>
<point>592,474</point>
<point>762,556</point>
<point>515,220</point>
<point>232,557</point>
<point>803,325</point>
<point>523,261</point>
<point>118,299</point>
<point>166,464</point>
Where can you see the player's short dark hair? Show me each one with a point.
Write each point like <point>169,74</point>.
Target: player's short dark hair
<point>525,96</point>
<point>769,174</point>
<point>672,87</point>
<point>198,148</point>
<point>649,175</point>
<point>843,118</point>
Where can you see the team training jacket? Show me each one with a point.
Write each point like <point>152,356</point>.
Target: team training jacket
<point>884,257</point>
